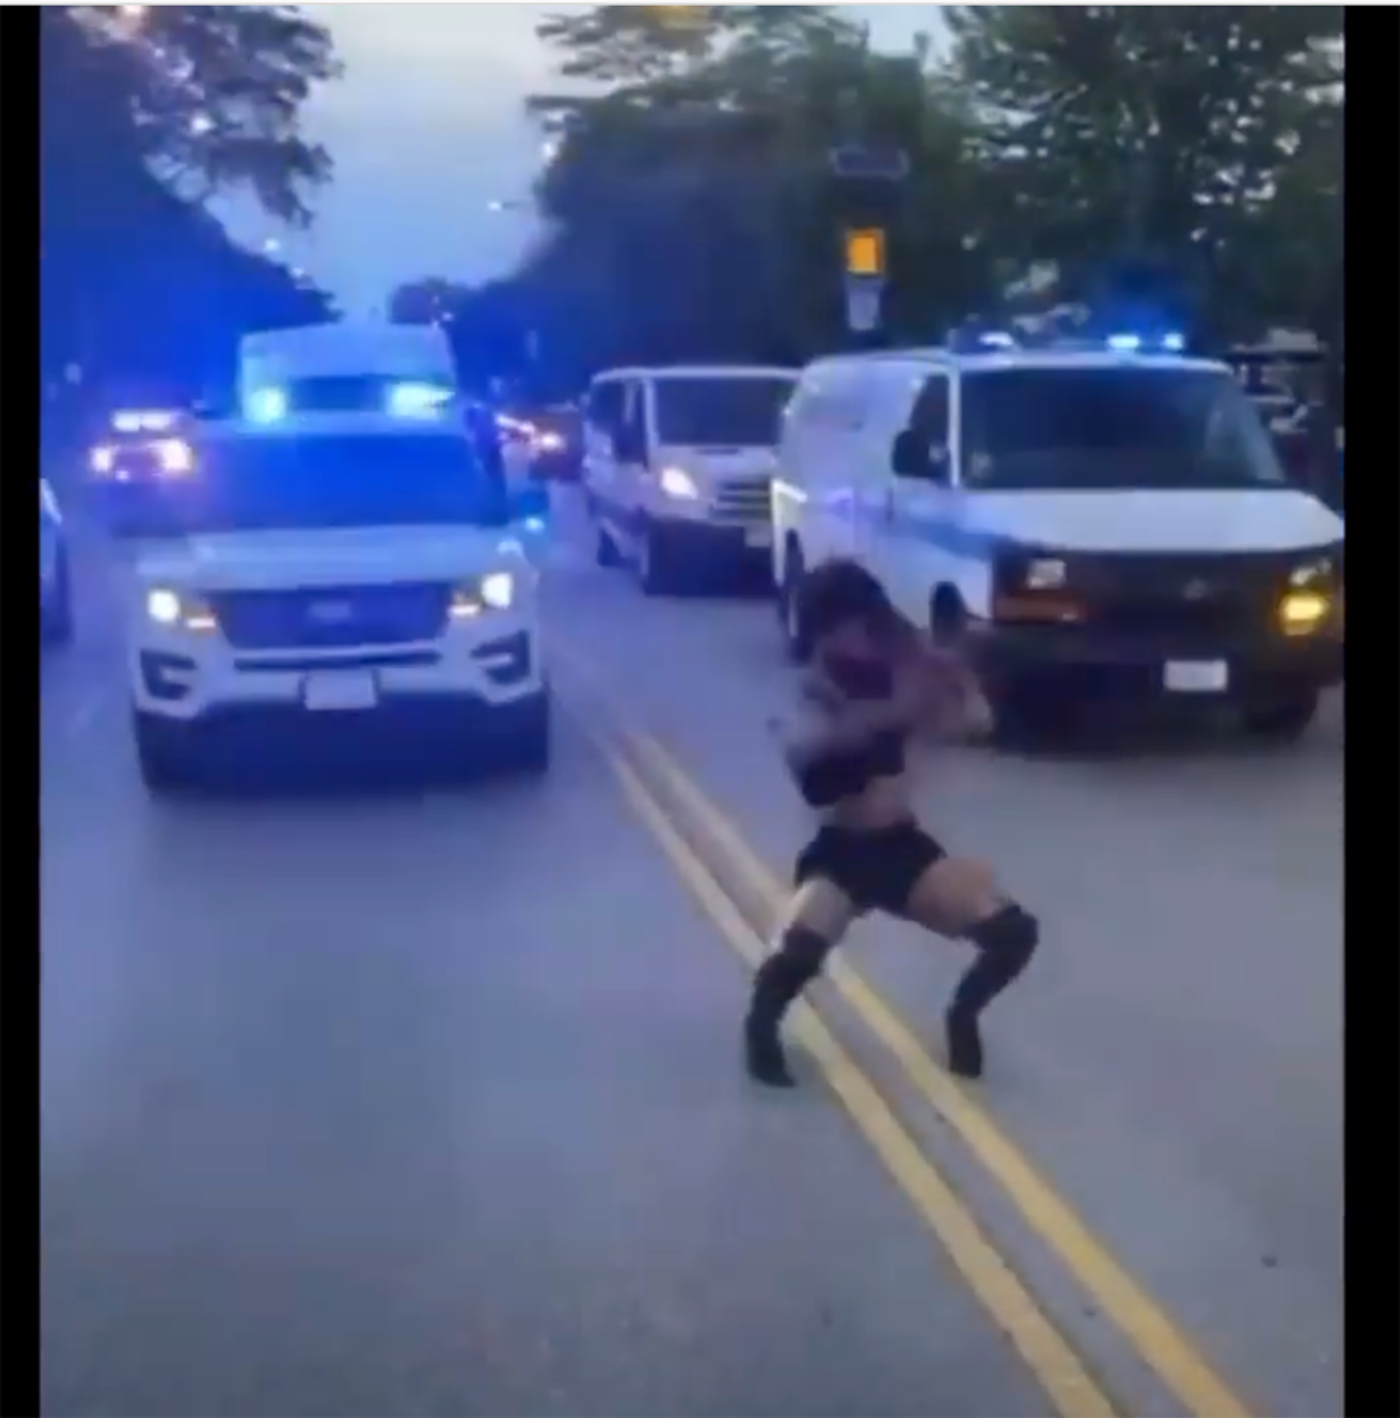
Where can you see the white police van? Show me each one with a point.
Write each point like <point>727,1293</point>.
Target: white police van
<point>677,468</point>
<point>1090,522</point>
<point>55,577</point>
<point>333,577</point>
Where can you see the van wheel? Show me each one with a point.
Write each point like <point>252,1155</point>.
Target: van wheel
<point>947,617</point>
<point>795,636</point>
<point>1282,721</point>
<point>655,573</point>
<point>607,553</point>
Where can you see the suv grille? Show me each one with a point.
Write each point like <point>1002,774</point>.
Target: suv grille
<point>332,617</point>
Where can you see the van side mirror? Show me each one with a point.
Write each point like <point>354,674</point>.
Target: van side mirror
<point>913,456</point>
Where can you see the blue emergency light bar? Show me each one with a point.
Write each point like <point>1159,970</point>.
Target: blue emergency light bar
<point>408,399</point>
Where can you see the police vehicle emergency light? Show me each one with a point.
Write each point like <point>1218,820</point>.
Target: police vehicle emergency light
<point>1088,520</point>
<point>346,367</point>
<point>329,572</point>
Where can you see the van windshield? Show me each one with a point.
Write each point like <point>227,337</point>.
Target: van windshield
<point>322,483</point>
<point>1094,429</point>
<point>717,412</point>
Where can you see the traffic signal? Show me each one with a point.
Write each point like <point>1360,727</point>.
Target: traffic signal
<point>679,17</point>
<point>865,253</point>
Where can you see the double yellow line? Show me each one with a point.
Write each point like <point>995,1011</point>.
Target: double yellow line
<point>662,794</point>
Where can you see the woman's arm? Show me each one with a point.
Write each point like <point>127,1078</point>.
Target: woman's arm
<point>952,705</point>
<point>822,721</point>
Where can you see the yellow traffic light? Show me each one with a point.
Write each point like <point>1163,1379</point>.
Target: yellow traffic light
<point>865,253</point>
<point>680,17</point>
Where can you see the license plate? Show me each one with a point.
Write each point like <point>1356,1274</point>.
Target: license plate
<point>1197,677</point>
<point>340,692</point>
<point>758,537</point>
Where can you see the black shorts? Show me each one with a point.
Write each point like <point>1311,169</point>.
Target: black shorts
<point>877,870</point>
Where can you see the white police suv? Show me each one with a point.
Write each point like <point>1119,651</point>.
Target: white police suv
<point>333,578</point>
<point>1092,522</point>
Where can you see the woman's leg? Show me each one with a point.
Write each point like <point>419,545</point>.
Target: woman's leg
<point>961,900</point>
<point>817,917</point>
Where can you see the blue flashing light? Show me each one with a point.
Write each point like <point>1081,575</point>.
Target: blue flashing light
<point>415,400</point>
<point>266,406</point>
<point>1125,344</point>
<point>144,420</point>
<point>1174,343</point>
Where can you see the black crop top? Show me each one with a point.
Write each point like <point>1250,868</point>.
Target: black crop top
<point>828,779</point>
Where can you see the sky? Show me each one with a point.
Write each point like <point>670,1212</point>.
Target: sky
<point>426,128</point>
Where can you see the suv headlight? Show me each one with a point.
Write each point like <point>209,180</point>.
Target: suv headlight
<point>181,609</point>
<point>496,591</point>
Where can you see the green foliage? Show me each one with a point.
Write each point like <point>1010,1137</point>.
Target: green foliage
<point>143,121</point>
<point>691,212</point>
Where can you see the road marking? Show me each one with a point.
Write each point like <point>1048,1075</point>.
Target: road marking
<point>1072,1390</point>
<point>1152,1333</point>
<point>1158,1340</point>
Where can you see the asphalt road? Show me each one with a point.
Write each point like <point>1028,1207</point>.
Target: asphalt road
<point>427,1103</point>
<point>1173,1065</point>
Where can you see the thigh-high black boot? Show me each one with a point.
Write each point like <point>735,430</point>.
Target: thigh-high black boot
<point>777,983</point>
<point>1005,944</point>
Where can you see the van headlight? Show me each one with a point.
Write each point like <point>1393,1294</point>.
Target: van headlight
<point>1318,573</point>
<point>179,609</point>
<point>1046,573</point>
<point>493,592</point>
<point>677,483</point>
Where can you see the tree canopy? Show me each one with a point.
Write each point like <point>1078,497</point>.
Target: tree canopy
<point>145,118</point>
<point>690,209</point>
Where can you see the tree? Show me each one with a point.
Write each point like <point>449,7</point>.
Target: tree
<point>138,281</point>
<point>432,300</point>
<point>691,209</point>
<point>208,97</point>
<point>1140,131</point>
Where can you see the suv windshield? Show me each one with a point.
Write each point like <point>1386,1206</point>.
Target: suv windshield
<point>1071,429</point>
<point>286,483</point>
<point>719,412</point>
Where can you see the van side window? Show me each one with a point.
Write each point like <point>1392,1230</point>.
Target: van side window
<point>929,418</point>
<point>632,420</point>
<point>605,406</point>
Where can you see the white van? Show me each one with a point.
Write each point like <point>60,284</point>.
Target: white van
<point>346,367</point>
<point>333,577</point>
<point>1091,522</point>
<point>678,466</point>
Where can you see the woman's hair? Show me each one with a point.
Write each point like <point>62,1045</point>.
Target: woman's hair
<point>842,590</point>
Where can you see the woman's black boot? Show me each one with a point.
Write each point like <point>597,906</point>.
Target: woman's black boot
<point>777,983</point>
<point>1005,943</point>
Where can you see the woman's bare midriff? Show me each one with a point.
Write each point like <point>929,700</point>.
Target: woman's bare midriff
<point>883,803</point>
